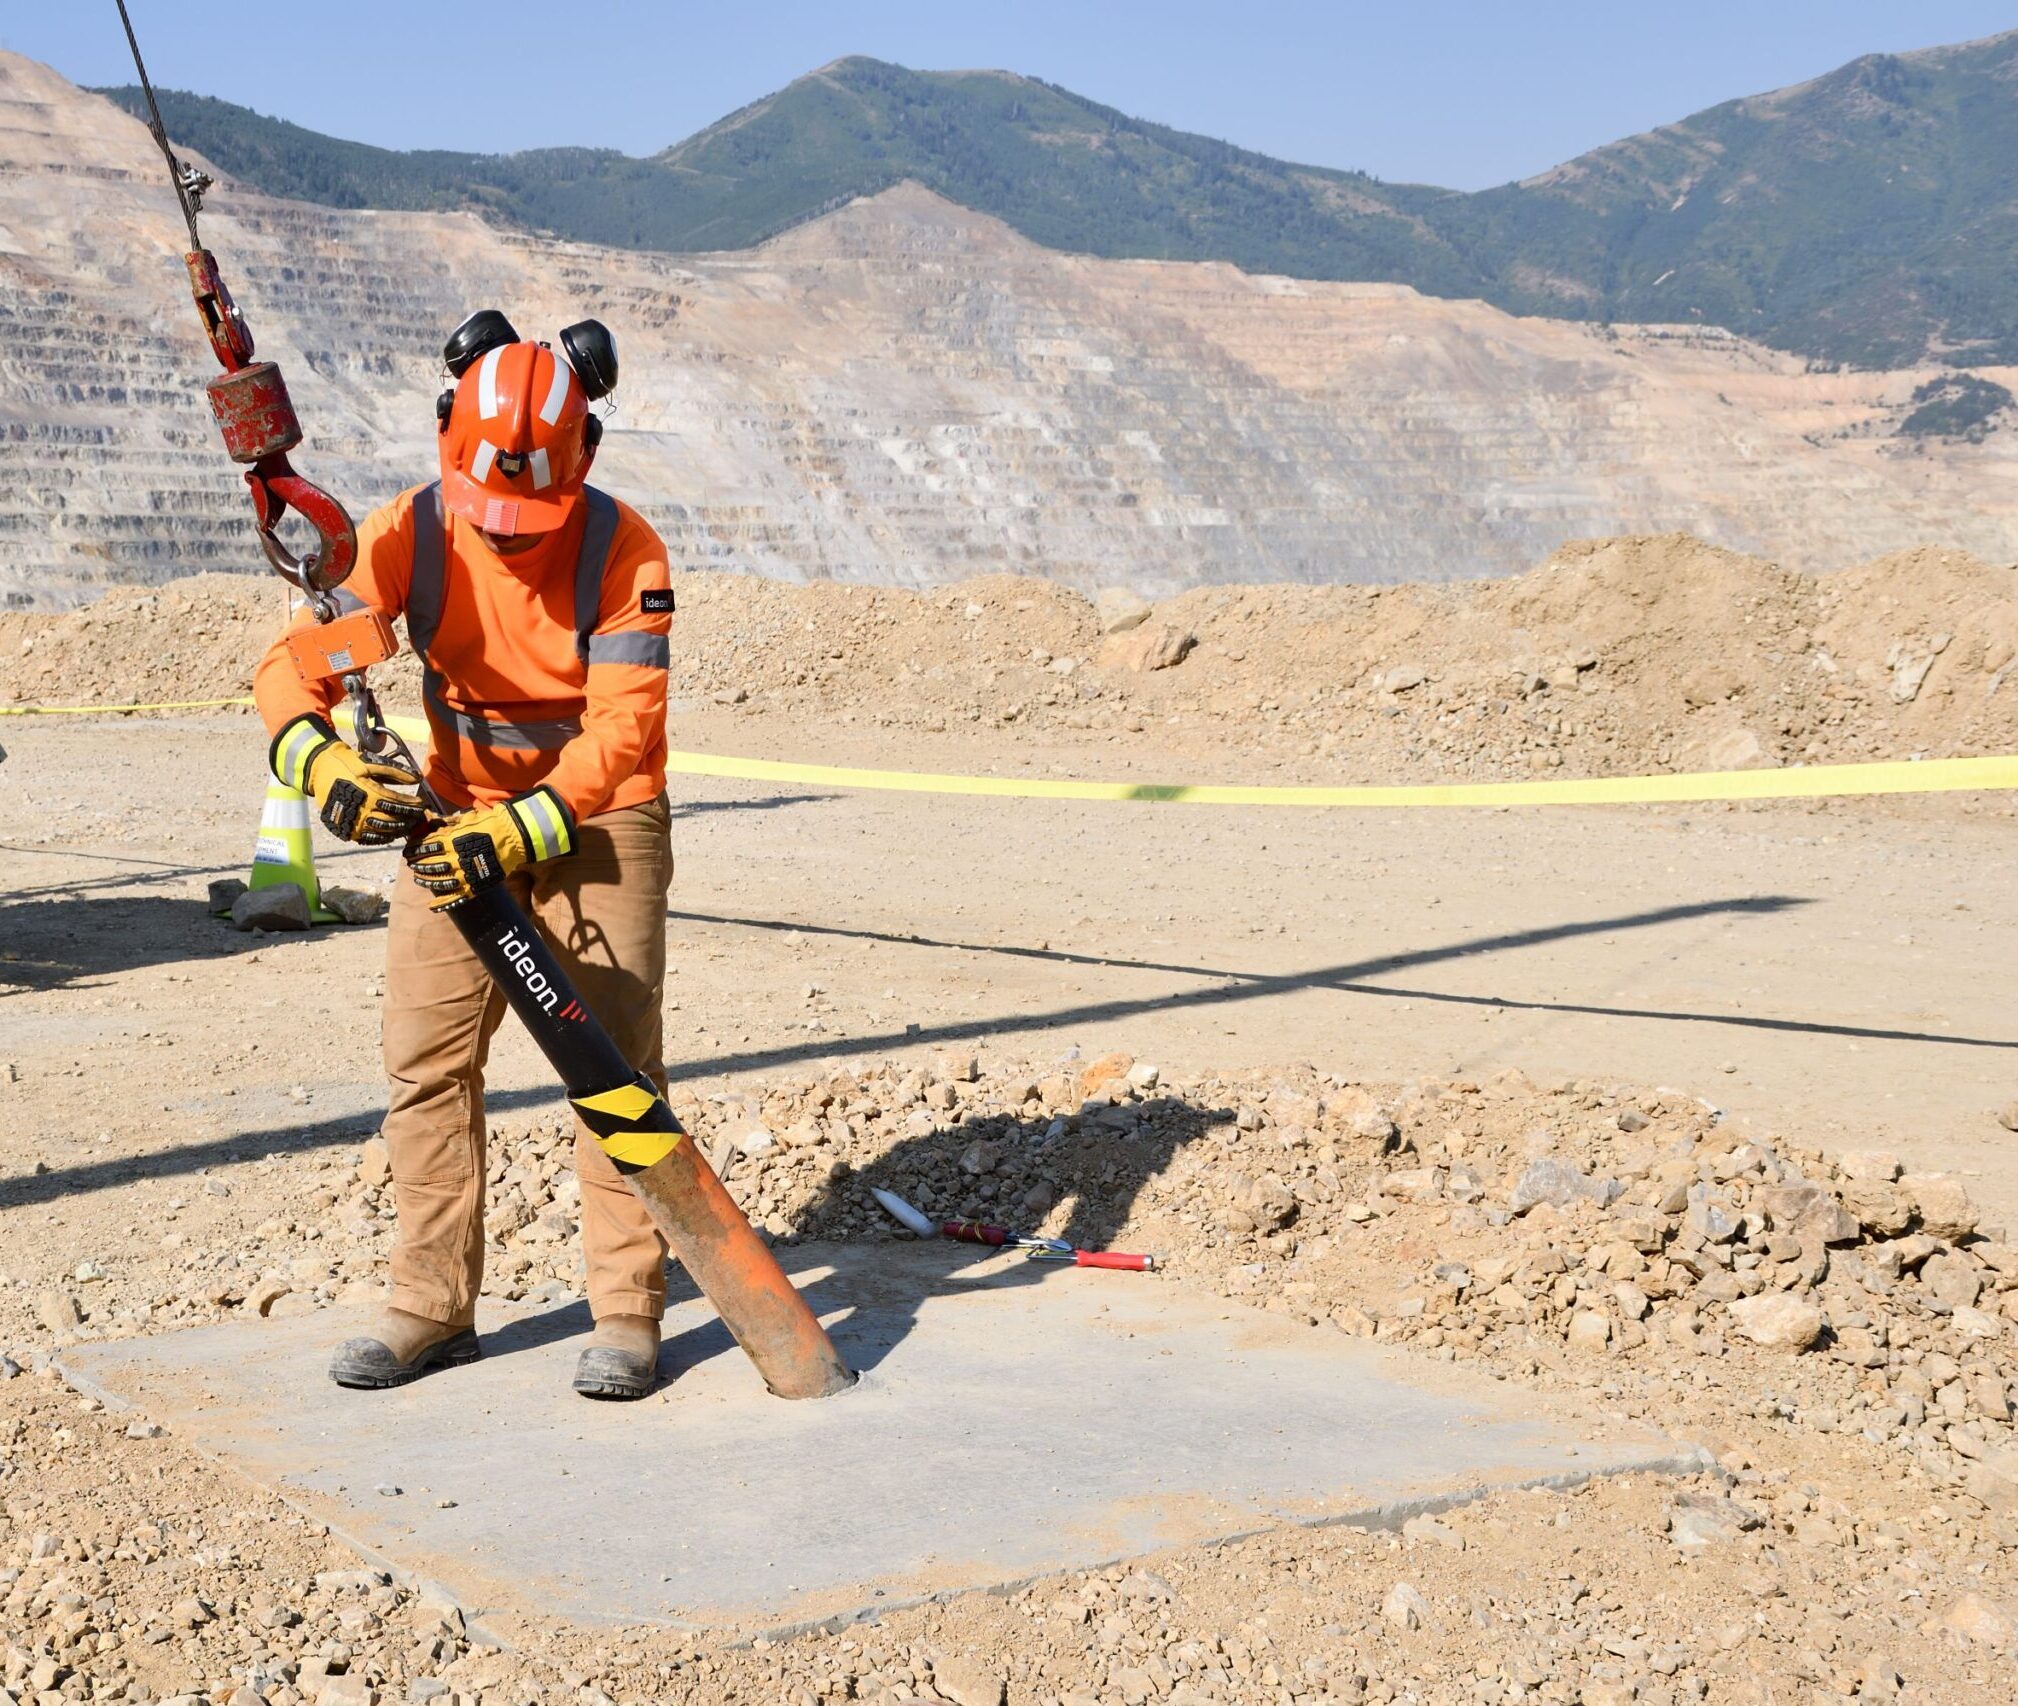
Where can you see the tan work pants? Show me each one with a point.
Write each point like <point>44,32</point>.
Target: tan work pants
<point>603,908</point>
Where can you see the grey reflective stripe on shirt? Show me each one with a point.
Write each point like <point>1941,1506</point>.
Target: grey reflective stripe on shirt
<point>654,651</point>
<point>494,731</point>
<point>347,602</point>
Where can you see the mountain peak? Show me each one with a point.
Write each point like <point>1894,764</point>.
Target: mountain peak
<point>1758,215</point>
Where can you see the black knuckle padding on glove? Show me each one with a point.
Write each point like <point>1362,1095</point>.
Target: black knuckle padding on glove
<point>475,856</point>
<point>353,814</point>
<point>342,805</point>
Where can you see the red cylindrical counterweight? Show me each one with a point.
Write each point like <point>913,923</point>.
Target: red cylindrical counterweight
<point>254,412</point>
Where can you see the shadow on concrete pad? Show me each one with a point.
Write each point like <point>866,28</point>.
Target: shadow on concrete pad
<point>1097,1165</point>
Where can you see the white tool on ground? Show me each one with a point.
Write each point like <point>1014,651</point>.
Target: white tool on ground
<point>980,1232</point>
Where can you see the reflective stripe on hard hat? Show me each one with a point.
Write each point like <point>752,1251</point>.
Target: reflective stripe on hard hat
<point>537,462</point>
<point>486,382</point>
<point>653,651</point>
<point>486,454</point>
<point>557,392</point>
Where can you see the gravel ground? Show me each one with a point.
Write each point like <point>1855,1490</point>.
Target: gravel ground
<point>1810,1279</point>
<point>1839,1336</point>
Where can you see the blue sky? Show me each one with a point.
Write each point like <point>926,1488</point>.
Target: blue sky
<point>1453,92</point>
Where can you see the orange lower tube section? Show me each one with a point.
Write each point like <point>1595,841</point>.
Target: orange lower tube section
<point>738,1274</point>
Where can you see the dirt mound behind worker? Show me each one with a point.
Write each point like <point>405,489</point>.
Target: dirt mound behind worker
<point>1615,657</point>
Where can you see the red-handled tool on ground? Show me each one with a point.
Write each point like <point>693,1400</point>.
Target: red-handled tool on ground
<point>980,1232</point>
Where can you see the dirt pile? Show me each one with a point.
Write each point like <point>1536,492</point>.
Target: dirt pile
<point>1839,1339</point>
<point>192,639</point>
<point>1614,657</point>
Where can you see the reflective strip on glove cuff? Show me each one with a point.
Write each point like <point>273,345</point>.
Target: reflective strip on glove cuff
<point>545,824</point>
<point>296,748</point>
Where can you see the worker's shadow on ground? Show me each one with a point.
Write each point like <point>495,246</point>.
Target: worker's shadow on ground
<point>62,942</point>
<point>1098,1169</point>
<point>872,1304</point>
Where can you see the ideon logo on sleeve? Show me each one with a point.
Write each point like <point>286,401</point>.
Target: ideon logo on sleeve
<point>656,601</point>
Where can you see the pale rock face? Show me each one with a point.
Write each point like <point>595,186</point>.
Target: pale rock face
<point>1558,1183</point>
<point>1778,1320</point>
<point>1405,1606</point>
<point>1995,1481</point>
<point>1152,646</point>
<point>1952,1279</point>
<point>1119,609</point>
<point>1589,1332</point>
<point>1979,1619</point>
<point>1697,1523</point>
<point>1882,1209</point>
<point>1943,1205</point>
<point>1736,749</point>
<point>906,392</point>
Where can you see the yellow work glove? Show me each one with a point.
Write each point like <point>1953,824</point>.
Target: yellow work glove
<point>475,849</point>
<point>359,798</point>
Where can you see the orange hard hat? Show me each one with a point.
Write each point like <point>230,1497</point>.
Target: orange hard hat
<point>515,447</point>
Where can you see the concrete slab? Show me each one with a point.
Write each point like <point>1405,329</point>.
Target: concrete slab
<point>1012,1420</point>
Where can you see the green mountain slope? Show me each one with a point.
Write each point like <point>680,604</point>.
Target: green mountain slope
<point>1869,216</point>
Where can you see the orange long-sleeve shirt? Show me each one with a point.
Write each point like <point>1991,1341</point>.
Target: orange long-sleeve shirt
<point>505,653</point>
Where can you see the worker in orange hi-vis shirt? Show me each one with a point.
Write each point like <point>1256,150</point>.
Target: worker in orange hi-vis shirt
<point>539,608</point>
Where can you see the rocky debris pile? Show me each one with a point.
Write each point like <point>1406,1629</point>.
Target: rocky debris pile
<point>1615,657</point>
<point>173,1587</point>
<point>1577,1235</point>
<point>1585,1234</point>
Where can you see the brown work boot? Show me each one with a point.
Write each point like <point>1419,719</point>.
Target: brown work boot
<point>404,1348</point>
<point>621,1359</point>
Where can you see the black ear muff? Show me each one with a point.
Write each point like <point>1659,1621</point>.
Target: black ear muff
<point>592,353</point>
<point>475,338</point>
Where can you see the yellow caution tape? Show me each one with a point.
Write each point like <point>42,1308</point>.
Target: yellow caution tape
<point>1928,776</point>
<point>114,710</point>
<point>1807,782</point>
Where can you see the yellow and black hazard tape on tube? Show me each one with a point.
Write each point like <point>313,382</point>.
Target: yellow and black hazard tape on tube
<point>632,1124</point>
